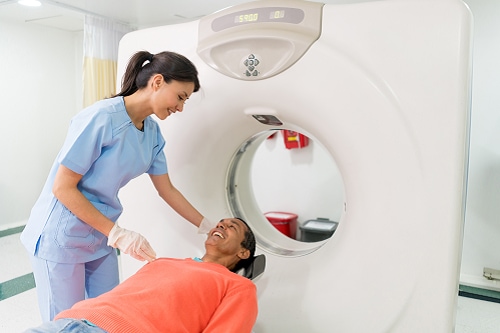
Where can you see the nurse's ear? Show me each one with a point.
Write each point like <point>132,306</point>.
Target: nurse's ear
<point>156,81</point>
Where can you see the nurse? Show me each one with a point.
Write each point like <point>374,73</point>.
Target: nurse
<point>72,232</point>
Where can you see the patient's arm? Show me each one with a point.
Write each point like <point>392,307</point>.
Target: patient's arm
<point>236,313</point>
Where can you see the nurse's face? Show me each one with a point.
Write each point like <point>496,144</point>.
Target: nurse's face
<point>169,98</point>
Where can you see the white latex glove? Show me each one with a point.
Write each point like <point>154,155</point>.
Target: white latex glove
<point>132,243</point>
<point>206,226</point>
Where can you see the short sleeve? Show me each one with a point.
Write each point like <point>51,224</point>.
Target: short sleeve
<point>159,164</point>
<point>88,134</point>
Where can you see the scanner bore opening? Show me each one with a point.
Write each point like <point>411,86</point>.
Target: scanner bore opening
<point>323,201</point>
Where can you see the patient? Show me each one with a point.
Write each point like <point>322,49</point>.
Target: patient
<point>176,295</point>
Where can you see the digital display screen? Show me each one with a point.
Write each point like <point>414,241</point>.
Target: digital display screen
<point>257,15</point>
<point>254,17</point>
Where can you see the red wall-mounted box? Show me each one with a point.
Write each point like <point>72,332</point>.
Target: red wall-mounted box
<point>294,139</point>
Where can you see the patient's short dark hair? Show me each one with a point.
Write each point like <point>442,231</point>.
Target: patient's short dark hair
<point>249,244</point>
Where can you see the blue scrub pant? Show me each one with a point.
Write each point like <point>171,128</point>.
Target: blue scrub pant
<point>59,286</point>
<point>66,325</point>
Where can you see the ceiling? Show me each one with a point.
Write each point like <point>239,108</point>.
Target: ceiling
<point>69,14</point>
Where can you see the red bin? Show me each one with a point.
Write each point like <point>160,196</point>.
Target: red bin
<point>286,223</point>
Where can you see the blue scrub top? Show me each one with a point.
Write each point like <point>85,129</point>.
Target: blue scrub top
<point>105,147</point>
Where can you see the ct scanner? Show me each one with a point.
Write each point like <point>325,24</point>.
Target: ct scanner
<point>384,87</point>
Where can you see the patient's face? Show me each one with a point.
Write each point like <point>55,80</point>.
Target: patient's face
<point>227,236</point>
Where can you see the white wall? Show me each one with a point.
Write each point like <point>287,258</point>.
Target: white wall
<point>40,86</point>
<point>482,227</point>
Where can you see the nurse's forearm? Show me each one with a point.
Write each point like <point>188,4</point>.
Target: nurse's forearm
<point>80,206</point>
<point>175,199</point>
<point>179,203</point>
<point>66,191</point>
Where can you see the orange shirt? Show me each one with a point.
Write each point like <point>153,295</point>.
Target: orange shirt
<point>174,295</point>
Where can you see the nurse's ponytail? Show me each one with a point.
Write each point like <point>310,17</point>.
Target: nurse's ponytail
<point>143,65</point>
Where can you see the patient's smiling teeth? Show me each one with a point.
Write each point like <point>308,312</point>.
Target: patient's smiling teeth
<point>216,233</point>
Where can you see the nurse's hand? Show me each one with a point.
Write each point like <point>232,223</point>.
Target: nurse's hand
<point>131,243</point>
<point>206,225</point>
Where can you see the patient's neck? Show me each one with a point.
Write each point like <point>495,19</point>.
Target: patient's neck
<point>224,260</point>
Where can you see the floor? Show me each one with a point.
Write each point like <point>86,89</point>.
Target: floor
<point>19,311</point>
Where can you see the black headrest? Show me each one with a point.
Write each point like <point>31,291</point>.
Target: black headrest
<point>255,267</point>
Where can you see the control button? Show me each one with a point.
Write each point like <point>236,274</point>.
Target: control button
<point>250,64</point>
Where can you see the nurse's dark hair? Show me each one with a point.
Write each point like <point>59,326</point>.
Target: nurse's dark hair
<point>143,65</point>
<point>249,244</point>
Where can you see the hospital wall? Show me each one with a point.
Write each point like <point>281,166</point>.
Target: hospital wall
<point>40,86</point>
<point>482,227</point>
<point>40,89</point>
